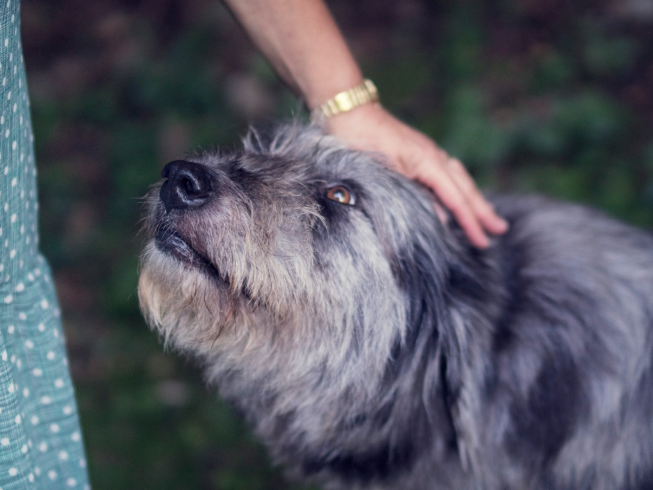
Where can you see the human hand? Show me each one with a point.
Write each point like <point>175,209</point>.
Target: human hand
<point>411,153</point>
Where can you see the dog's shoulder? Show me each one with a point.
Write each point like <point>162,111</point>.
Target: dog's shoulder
<point>576,324</point>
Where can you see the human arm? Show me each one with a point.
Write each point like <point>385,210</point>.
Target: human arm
<point>303,43</point>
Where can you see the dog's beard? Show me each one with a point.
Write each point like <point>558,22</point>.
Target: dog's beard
<point>191,308</point>
<point>208,309</point>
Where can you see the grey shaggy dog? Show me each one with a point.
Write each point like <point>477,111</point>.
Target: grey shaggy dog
<point>371,347</point>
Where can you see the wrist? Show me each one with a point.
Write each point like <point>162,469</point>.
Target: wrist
<point>328,84</point>
<point>351,120</point>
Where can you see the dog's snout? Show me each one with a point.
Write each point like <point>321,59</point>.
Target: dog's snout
<point>189,185</point>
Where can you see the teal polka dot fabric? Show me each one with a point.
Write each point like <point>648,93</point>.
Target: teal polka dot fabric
<point>40,440</point>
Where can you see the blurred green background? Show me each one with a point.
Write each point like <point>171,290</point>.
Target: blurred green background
<point>548,96</point>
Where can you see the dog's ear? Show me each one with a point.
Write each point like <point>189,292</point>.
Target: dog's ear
<point>415,242</point>
<point>422,271</point>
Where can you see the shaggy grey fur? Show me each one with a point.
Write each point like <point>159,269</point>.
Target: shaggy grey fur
<point>371,347</point>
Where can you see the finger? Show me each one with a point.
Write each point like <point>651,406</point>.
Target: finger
<point>442,214</point>
<point>482,208</point>
<point>451,196</point>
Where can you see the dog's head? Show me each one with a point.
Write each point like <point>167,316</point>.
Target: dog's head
<point>295,243</point>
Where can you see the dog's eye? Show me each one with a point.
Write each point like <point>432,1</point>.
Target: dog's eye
<point>342,195</point>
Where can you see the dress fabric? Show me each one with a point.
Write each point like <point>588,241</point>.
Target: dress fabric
<point>40,440</point>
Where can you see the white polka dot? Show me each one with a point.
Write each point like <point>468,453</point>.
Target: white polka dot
<point>59,383</point>
<point>63,456</point>
<point>46,400</point>
<point>82,463</point>
<point>75,436</point>
<point>30,276</point>
<point>37,372</point>
<point>44,304</point>
<point>71,482</point>
<point>7,39</point>
<point>24,449</point>
<point>18,363</point>
<point>14,181</point>
<point>12,254</point>
<point>34,420</point>
<point>13,471</point>
<point>50,356</point>
<point>11,388</point>
<point>4,355</point>
<point>4,441</point>
<point>54,428</point>
<point>18,420</point>
<point>25,392</point>
<point>29,344</point>
<point>67,410</point>
<point>43,447</point>
<point>9,95</point>
<point>52,474</point>
<point>41,327</point>
<point>14,145</point>
<point>37,470</point>
<point>30,477</point>
<point>14,218</point>
<point>22,316</point>
<point>20,287</point>
<point>8,299</point>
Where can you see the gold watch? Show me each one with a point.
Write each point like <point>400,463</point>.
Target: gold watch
<point>365,93</point>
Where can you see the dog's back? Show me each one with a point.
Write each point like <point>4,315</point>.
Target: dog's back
<point>568,390</point>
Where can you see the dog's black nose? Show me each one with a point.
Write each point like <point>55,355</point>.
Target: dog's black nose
<point>189,185</point>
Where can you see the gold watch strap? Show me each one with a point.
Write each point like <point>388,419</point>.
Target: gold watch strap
<point>365,93</point>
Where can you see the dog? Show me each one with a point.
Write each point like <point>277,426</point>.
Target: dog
<point>370,346</point>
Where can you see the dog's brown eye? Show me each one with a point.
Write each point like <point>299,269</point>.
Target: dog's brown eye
<point>342,195</point>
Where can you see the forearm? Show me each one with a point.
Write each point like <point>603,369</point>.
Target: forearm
<point>302,41</point>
